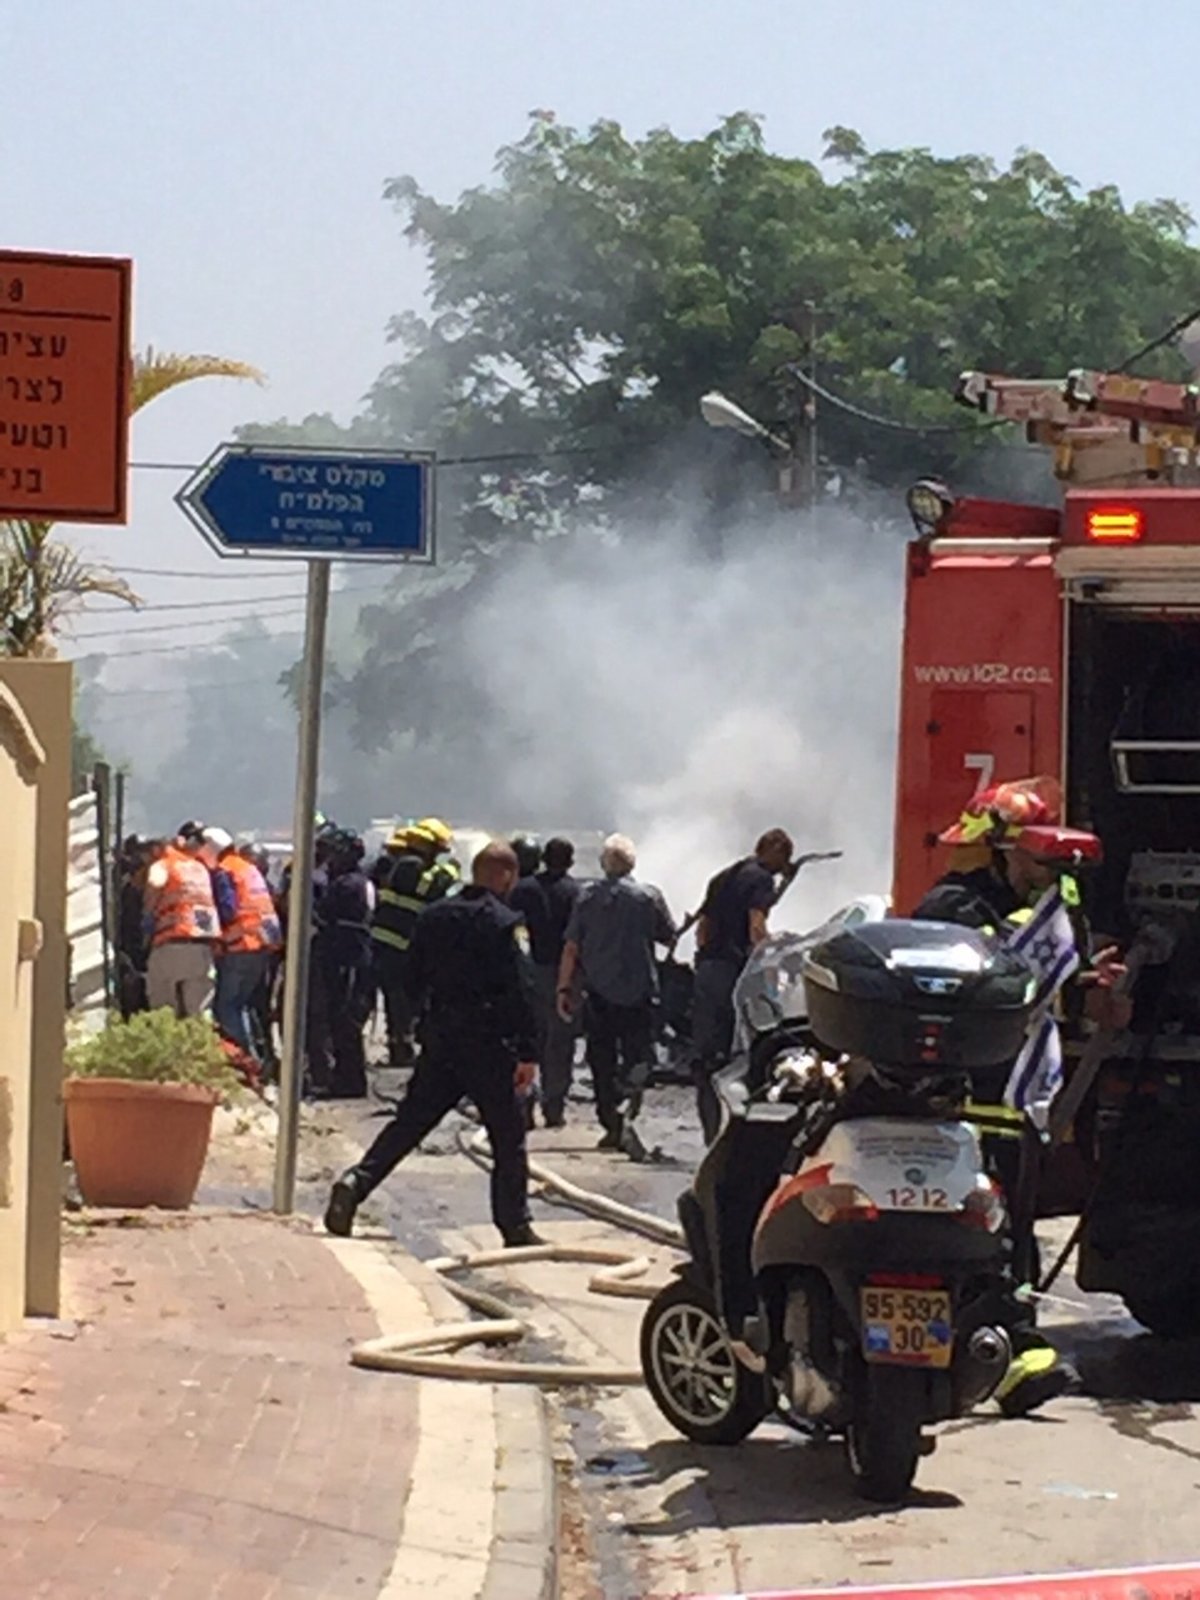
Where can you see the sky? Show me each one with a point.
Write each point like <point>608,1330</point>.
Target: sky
<point>237,149</point>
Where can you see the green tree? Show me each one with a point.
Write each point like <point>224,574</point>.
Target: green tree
<point>85,753</point>
<point>584,300</point>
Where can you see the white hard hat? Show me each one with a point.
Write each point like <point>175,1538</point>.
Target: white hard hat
<point>218,838</point>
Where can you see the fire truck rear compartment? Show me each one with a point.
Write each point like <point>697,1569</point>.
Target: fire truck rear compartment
<point>1133,759</point>
<point>1133,764</point>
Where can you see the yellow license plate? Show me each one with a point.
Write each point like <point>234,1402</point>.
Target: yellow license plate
<point>908,1327</point>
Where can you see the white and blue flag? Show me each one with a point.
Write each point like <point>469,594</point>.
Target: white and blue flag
<point>1047,943</point>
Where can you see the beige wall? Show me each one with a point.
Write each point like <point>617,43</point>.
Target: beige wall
<point>21,765</point>
<point>43,691</point>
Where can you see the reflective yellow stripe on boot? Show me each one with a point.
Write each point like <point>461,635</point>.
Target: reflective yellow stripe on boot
<point>1029,1364</point>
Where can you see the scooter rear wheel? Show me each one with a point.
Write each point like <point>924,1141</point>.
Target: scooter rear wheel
<point>691,1371</point>
<point>883,1436</point>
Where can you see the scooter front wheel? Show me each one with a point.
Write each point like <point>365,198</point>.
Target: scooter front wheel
<point>691,1371</point>
<point>883,1435</point>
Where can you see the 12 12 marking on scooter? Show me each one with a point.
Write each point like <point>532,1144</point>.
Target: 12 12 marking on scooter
<point>913,1199</point>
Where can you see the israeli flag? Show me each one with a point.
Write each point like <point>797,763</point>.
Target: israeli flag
<point>1047,943</point>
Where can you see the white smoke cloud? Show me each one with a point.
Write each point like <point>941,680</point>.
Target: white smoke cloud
<point>700,701</point>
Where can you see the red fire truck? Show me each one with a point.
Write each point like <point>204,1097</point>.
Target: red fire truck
<point>1066,641</point>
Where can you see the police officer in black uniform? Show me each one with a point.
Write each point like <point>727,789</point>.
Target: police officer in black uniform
<point>341,992</point>
<point>471,992</point>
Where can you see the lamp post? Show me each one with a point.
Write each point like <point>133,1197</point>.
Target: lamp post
<point>810,410</point>
<point>721,412</point>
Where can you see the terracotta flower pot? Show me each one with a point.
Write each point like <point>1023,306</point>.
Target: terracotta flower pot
<point>138,1144</point>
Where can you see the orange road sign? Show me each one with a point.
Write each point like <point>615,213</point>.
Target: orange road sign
<point>64,386</point>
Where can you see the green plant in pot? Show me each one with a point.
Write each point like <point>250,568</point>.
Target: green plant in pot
<point>139,1099</point>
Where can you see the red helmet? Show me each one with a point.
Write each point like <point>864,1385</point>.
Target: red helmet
<point>996,816</point>
<point>1072,847</point>
<point>1024,814</point>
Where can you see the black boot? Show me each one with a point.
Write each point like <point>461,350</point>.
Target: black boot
<point>519,1238</point>
<point>344,1200</point>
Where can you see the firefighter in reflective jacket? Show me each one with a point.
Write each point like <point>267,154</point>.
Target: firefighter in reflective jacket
<point>250,936</point>
<point>411,877</point>
<point>1006,863</point>
<point>181,923</point>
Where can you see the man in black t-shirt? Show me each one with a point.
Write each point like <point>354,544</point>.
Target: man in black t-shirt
<point>732,921</point>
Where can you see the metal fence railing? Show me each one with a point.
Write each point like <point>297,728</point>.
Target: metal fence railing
<point>87,915</point>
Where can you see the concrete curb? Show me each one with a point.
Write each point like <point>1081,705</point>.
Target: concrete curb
<point>480,1522</point>
<point>524,1561</point>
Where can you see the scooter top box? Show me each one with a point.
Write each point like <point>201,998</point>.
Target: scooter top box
<point>926,995</point>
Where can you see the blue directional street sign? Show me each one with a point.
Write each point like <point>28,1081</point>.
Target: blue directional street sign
<point>349,505</point>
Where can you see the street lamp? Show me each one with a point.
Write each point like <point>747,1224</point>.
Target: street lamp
<point>720,412</point>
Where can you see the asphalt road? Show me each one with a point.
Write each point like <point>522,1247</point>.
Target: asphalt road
<point>1107,1478</point>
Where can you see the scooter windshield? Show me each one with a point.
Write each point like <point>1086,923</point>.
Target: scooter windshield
<point>770,990</point>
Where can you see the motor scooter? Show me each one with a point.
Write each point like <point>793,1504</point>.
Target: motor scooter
<point>849,1256</point>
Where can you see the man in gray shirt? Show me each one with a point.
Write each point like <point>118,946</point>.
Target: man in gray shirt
<point>610,942</point>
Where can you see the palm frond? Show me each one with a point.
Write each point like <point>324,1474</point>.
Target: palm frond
<point>25,537</point>
<point>42,580</point>
<point>156,371</point>
<point>67,577</point>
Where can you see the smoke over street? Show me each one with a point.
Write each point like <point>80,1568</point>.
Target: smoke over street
<point>693,702</point>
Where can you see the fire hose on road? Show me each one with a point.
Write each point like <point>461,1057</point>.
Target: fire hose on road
<point>433,1352</point>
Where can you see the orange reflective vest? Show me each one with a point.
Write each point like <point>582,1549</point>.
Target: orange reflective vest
<point>256,922</point>
<point>182,905</point>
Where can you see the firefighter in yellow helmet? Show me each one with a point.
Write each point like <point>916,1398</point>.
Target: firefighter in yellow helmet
<point>410,877</point>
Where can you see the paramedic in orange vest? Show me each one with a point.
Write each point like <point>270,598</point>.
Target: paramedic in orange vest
<point>250,936</point>
<point>182,926</point>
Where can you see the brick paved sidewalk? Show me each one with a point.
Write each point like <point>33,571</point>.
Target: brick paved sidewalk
<point>196,1432</point>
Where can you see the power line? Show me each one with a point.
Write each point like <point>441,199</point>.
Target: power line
<point>207,605</point>
<point>208,577</point>
<point>176,626</point>
<point>1176,327</point>
<point>104,694</point>
<point>254,601</point>
<point>894,423</point>
<point>171,650</point>
<point>498,458</point>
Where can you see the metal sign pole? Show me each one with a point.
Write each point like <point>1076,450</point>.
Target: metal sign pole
<point>102,788</point>
<point>296,959</point>
<point>345,505</point>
